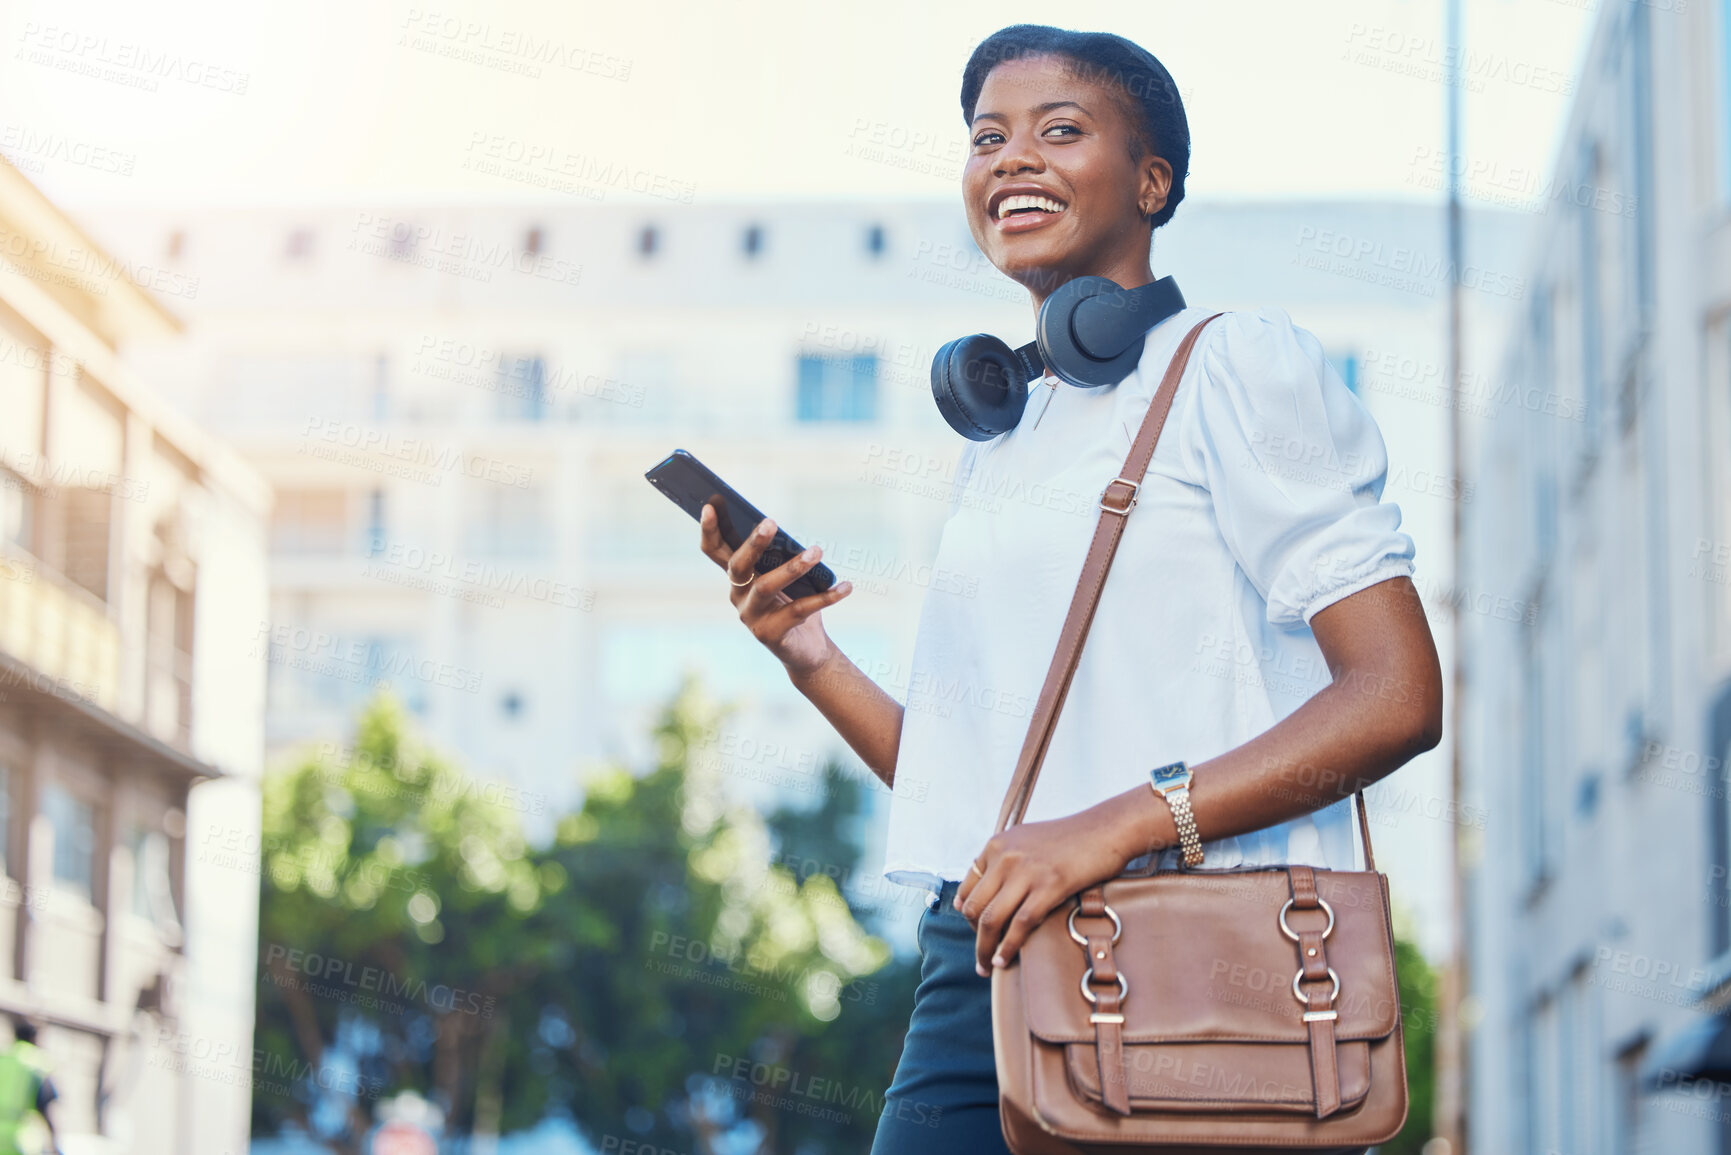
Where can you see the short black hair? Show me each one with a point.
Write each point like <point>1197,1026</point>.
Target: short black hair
<point>23,1030</point>
<point>1161,127</point>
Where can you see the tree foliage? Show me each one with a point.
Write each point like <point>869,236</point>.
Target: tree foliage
<point>651,974</point>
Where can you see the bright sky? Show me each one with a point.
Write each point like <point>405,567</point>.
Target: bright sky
<point>209,101</point>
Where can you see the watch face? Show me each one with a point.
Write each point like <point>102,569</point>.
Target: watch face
<point>1169,777</point>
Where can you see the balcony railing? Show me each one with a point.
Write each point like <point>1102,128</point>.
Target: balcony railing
<point>61,631</point>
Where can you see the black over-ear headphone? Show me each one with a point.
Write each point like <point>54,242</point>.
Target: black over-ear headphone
<point>1090,332</point>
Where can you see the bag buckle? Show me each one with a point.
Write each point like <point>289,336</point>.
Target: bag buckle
<point>1135,489</point>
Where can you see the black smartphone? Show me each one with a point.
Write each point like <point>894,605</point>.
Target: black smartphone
<point>691,485</point>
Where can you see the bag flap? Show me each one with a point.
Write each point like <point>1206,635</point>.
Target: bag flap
<point>1206,960</point>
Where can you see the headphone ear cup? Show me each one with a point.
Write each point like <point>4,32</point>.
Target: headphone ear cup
<point>1059,346</point>
<point>980,386</point>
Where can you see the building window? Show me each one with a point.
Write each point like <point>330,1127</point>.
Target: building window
<point>381,387</point>
<point>1591,334</point>
<point>523,388</point>
<point>5,818</point>
<point>532,242</point>
<point>1640,136</point>
<point>875,242</point>
<point>1626,1128</point>
<point>837,388</point>
<point>1535,787</point>
<point>300,244</point>
<point>74,824</point>
<point>506,521</point>
<point>309,521</point>
<point>152,883</point>
<point>1725,99</point>
<point>648,241</point>
<point>81,518</point>
<point>376,523</point>
<point>752,241</point>
<point>17,512</point>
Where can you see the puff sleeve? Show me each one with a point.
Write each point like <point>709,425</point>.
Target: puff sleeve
<point>1295,466</point>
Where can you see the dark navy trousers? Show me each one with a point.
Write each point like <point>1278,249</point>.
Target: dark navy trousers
<point>944,1097</point>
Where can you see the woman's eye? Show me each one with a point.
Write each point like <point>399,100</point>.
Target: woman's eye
<point>988,138</point>
<point>1069,128</point>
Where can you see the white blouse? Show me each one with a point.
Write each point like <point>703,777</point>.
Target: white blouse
<point>1261,506</point>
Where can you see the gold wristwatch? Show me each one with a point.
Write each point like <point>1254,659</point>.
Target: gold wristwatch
<point>1173,784</point>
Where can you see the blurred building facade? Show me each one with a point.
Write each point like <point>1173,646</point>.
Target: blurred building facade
<point>456,407</point>
<point>1598,714</point>
<point>132,568</point>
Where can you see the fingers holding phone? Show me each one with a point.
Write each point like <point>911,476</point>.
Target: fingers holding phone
<point>788,626</point>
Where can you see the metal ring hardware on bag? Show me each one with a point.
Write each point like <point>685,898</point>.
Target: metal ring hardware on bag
<point>1117,927</point>
<point>1320,901</point>
<point>1123,987</point>
<point>1298,978</point>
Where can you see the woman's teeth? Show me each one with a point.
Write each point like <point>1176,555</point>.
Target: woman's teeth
<point>1011,204</point>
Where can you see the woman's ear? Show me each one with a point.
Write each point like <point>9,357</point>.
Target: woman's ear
<point>1156,184</point>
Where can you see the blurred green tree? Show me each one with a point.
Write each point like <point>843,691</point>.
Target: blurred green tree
<point>652,974</point>
<point>1418,1010</point>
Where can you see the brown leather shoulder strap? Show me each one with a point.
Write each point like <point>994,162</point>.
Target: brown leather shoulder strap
<point>1115,505</point>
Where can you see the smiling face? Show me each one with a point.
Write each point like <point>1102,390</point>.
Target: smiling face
<point>1051,189</point>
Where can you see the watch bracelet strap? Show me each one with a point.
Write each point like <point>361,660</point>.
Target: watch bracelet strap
<point>1184,821</point>
<point>1087,598</point>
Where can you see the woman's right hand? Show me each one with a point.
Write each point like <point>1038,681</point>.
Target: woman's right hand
<point>790,627</point>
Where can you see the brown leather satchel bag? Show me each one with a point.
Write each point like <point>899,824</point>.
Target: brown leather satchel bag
<point>1251,1009</point>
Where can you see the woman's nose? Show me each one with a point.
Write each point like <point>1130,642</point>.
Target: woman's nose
<point>1019,154</point>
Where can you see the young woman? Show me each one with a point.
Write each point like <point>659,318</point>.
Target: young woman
<point>1259,621</point>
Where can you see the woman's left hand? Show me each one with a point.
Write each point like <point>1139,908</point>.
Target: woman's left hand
<point>1030,869</point>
